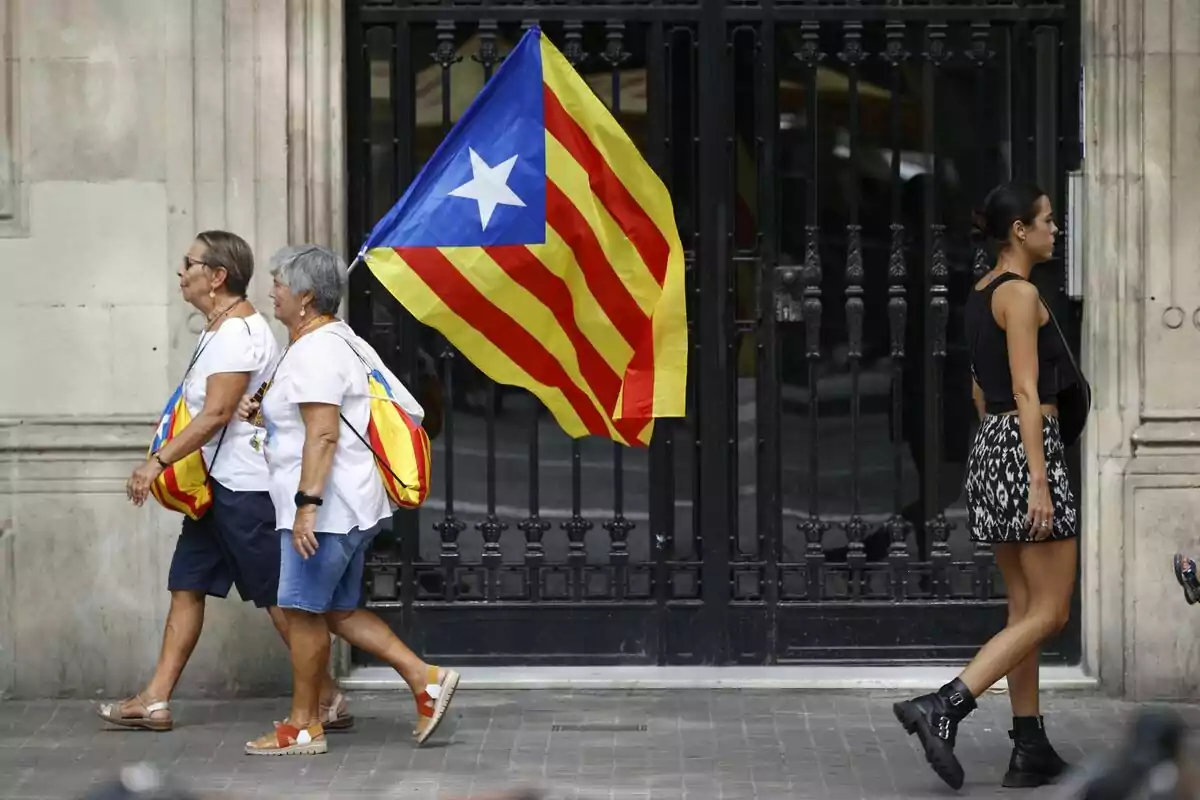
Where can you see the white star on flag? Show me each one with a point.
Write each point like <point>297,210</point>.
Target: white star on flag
<point>488,187</point>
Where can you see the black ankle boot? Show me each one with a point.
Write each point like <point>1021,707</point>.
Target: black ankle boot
<point>1034,761</point>
<point>934,719</point>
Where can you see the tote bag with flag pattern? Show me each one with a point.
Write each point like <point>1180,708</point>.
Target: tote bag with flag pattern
<point>183,485</point>
<point>399,444</point>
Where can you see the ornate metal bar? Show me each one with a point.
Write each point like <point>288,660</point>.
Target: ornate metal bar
<point>576,527</point>
<point>533,526</point>
<point>896,54</point>
<point>450,526</point>
<point>937,53</point>
<point>618,527</point>
<point>813,527</point>
<point>851,55</point>
<point>981,54</point>
<point>662,468</point>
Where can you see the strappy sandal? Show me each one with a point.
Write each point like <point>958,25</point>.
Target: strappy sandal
<point>288,740</point>
<point>111,713</point>
<point>335,716</point>
<point>433,702</point>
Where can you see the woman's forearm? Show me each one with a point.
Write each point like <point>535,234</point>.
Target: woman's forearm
<point>320,444</point>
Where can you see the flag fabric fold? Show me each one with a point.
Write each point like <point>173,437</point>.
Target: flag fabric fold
<point>544,247</point>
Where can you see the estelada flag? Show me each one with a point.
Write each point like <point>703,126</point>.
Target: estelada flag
<point>183,485</point>
<point>543,246</point>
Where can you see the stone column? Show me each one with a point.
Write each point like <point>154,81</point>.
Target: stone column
<point>143,123</point>
<point>1142,334</point>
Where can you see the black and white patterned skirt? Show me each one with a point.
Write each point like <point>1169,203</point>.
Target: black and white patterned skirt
<point>997,483</point>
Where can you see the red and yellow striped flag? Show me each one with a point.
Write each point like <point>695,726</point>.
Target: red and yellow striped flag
<point>543,246</point>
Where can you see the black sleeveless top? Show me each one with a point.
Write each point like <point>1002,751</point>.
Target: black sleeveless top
<point>989,353</point>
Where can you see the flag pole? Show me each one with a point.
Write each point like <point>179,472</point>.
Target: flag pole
<point>357,260</point>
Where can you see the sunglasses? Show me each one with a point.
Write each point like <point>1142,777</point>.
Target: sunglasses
<point>189,262</point>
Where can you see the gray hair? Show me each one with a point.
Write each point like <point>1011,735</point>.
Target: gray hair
<point>310,268</point>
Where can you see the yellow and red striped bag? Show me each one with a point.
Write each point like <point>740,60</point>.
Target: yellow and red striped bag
<point>182,486</point>
<point>401,447</point>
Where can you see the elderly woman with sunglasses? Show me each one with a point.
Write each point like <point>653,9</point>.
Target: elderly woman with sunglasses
<point>234,543</point>
<point>330,501</point>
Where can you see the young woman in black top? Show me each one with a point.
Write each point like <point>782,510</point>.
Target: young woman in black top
<point>1018,495</point>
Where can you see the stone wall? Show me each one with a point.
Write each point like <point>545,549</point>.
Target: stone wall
<point>1141,337</point>
<point>126,127</point>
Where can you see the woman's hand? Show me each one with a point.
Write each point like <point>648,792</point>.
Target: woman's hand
<point>1041,510</point>
<point>304,539</point>
<point>247,408</point>
<point>137,488</point>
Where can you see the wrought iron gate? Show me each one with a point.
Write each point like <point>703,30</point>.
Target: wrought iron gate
<point>823,156</point>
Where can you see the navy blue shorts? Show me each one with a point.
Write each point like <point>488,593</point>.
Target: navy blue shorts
<point>234,543</point>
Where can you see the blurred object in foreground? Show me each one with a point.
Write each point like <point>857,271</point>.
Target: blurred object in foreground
<point>143,781</point>
<point>1150,766</point>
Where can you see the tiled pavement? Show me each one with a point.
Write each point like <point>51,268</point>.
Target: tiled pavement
<point>647,745</point>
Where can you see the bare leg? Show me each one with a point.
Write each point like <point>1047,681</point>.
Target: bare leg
<point>308,641</point>
<point>368,632</point>
<point>1023,678</point>
<point>329,688</point>
<point>185,620</point>
<point>1049,570</point>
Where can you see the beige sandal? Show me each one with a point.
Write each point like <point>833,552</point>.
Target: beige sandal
<point>111,713</point>
<point>433,702</point>
<point>335,716</point>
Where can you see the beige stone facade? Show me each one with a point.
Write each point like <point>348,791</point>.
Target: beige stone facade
<point>1141,338</point>
<point>128,125</point>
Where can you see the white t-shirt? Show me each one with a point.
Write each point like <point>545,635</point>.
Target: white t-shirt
<point>239,344</point>
<point>322,368</point>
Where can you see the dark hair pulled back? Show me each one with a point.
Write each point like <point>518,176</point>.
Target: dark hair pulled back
<point>230,251</point>
<point>1003,206</point>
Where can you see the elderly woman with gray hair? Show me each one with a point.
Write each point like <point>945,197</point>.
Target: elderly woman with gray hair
<point>330,502</point>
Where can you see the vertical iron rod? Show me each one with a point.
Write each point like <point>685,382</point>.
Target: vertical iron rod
<point>813,526</point>
<point>896,53</point>
<point>851,55</point>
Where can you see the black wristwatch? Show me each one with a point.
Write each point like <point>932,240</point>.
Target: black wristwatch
<point>303,499</point>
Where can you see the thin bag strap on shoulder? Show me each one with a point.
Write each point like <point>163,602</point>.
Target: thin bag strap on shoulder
<point>1066,347</point>
<point>379,459</point>
<point>225,429</point>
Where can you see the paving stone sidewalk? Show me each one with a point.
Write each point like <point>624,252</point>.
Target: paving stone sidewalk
<point>647,745</point>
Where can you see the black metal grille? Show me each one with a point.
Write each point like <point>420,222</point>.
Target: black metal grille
<point>823,157</point>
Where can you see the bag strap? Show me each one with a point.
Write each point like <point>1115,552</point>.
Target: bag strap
<point>378,458</point>
<point>204,343</point>
<point>1067,348</point>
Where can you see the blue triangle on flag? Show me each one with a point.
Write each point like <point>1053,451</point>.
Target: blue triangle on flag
<point>486,183</point>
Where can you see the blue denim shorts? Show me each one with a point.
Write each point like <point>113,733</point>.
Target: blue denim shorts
<point>331,579</point>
